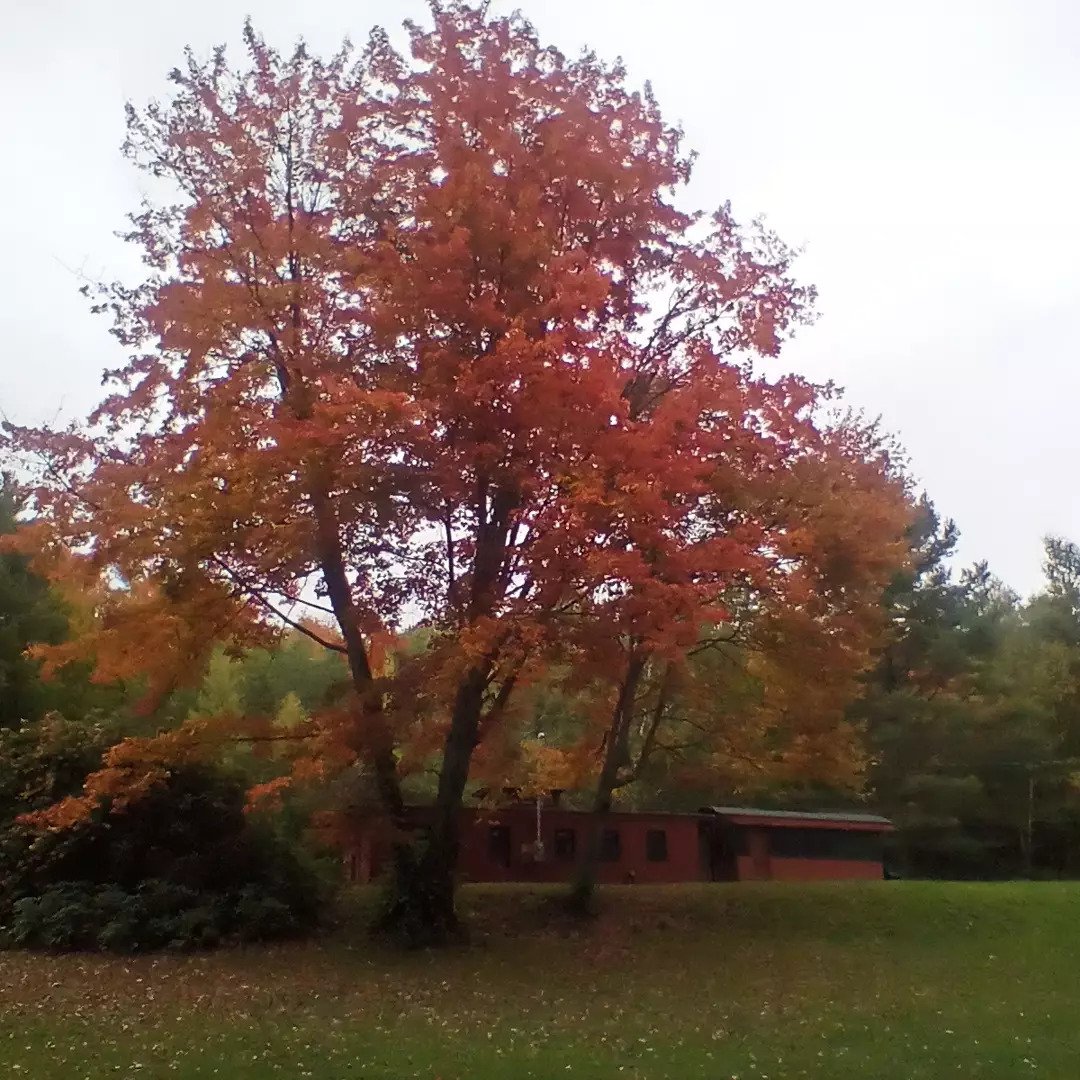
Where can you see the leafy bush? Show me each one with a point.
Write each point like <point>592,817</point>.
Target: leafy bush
<point>182,868</point>
<point>74,915</point>
<point>65,917</point>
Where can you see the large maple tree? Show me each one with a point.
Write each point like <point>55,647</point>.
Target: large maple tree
<point>423,337</point>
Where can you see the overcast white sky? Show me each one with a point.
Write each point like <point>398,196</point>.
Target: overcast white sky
<point>927,154</point>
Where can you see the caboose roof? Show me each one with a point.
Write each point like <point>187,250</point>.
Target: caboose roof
<point>748,815</point>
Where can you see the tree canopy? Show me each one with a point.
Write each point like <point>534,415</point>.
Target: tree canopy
<point>429,337</point>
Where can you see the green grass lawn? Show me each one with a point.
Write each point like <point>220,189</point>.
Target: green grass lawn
<point>874,981</point>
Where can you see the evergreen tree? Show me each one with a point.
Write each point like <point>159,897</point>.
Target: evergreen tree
<point>30,613</point>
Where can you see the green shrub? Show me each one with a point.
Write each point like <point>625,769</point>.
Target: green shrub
<point>65,917</point>
<point>157,914</point>
<point>181,868</point>
<point>258,917</point>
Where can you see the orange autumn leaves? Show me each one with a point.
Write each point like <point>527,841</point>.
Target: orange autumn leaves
<point>426,338</point>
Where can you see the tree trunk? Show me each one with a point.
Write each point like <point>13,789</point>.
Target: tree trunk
<point>580,900</point>
<point>421,910</point>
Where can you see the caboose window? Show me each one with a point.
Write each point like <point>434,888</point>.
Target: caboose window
<point>565,845</point>
<point>838,844</point>
<point>610,845</point>
<point>499,844</point>
<point>656,845</point>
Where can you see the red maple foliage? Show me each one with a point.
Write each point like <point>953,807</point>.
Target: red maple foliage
<point>424,338</point>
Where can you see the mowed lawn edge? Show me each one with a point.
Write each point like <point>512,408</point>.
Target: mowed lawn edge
<point>883,979</point>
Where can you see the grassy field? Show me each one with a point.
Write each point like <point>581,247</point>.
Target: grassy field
<point>875,981</point>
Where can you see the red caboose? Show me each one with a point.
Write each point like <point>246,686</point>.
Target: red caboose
<point>541,841</point>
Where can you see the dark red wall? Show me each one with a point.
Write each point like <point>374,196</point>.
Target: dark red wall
<point>685,859</point>
<point>777,869</point>
<point>825,870</point>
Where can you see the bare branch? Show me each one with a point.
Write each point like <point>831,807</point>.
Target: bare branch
<point>258,596</point>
